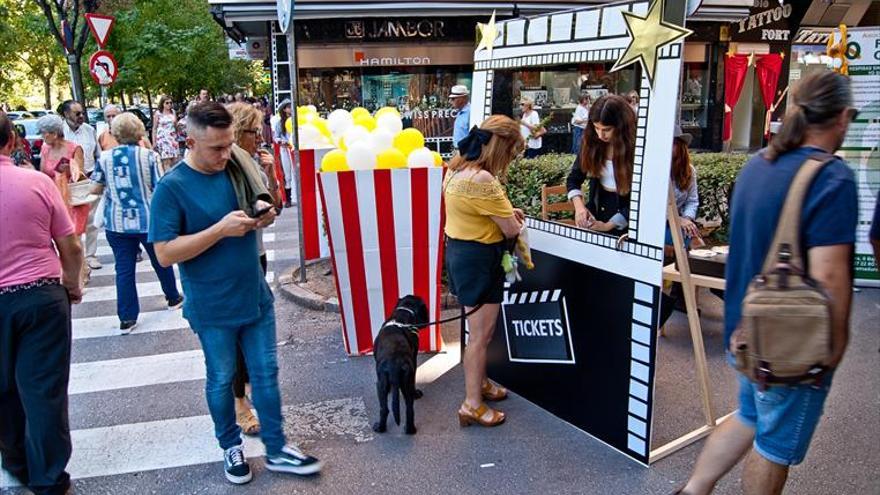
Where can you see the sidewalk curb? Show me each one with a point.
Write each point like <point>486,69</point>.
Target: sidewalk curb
<point>303,297</point>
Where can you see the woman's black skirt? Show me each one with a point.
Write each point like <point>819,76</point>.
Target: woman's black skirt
<point>475,272</point>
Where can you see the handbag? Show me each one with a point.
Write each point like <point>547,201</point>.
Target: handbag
<point>785,334</point>
<point>80,193</point>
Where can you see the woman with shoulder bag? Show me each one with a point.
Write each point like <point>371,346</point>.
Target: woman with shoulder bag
<point>480,221</point>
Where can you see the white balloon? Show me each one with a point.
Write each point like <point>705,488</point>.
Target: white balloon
<point>381,139</point>
<point>391,122</point>
<point>420,158</point>
<point>360,156</point>
<point>313,108</point>
<point>309,136</point>
<point>355,134</point>
<point>339,121</point>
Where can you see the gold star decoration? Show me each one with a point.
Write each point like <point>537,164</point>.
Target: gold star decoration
<point>488,33</point>
<point>647,35</point>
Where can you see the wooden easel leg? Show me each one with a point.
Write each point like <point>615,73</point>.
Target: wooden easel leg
<point>691,304</point>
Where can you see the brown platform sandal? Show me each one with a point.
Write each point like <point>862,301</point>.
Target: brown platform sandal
<point>492,392</point>
<point>246,419</point>
<point>467,416</point>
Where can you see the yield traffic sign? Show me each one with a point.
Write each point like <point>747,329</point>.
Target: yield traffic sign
<point>100,25</point>
<point>103,67</point>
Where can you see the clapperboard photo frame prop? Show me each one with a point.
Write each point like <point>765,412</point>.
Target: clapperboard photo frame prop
<point>605,293</point>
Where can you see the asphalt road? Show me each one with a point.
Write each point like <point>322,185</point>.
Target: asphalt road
<point>140,425</point>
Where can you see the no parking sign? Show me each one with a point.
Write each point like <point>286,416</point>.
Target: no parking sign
<point>103,67</point>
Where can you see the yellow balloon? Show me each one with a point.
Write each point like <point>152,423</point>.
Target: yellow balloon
<point>365,121</point>
<point>408,140</point>
<point>334,161</point>
<point>438,160</point>
<point>358,111</point>
<point>382,111</point>
<point>390,158</point>
<point>321,125</point>
<point>288,125</point>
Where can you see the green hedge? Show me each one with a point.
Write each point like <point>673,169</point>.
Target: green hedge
<point>716,173</point>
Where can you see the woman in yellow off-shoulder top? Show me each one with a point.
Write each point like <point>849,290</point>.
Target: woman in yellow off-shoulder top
<point>479,220</point>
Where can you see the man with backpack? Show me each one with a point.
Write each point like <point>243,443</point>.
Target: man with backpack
<point>773,255</point>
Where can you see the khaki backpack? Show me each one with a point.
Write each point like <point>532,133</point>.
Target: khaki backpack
<point>784,336</point>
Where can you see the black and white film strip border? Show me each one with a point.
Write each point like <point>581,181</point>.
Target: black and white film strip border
<point>571,57</point>
<point>640,370</point>
<point>532,297</point>
<point>596,238</point>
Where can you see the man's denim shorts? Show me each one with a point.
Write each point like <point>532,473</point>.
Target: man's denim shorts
<point>784,417</point>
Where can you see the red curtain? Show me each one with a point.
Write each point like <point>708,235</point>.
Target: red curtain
<point>735,69</point>
<point>767,68</point>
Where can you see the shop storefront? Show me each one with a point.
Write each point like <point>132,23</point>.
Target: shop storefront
<point>555,91</point>
<point>408,63</point>
<point>409,55</point>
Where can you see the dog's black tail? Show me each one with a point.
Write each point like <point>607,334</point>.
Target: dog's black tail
<point>395,398</point>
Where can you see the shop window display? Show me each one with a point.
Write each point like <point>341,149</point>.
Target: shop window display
<point>694,97</point>
<point>420,94</point>
<point>555,93</point>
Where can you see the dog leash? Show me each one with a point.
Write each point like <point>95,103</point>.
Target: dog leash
<point>418,326</point>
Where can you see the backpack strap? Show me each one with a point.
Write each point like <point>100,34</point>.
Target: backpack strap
<point>788,230</point>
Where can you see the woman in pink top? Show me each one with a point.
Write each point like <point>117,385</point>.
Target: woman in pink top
<point>62,160</point>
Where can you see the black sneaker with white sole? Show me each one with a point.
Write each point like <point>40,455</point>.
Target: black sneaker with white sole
<point>237,469</point>
<point>175,303</point>
<point>291,460</point>
<point>127,326</point>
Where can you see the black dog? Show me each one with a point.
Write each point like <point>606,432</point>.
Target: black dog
<point>396,349</point>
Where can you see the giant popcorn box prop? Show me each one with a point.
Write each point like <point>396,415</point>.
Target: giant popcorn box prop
<point>315,242</point>
<point>385,241</point>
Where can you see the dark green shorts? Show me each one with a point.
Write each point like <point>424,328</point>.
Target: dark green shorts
<point>475,272</point>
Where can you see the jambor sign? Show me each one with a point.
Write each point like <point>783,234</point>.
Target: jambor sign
<point>537,329</point>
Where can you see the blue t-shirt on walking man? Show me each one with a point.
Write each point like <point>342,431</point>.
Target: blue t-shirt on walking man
<point>829,217</point>
<point>224,285</point>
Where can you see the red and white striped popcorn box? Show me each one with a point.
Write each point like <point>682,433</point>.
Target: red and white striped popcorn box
<point>316,245</point>
<point>386,229</point>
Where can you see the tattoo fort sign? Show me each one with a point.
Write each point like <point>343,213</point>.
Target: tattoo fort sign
<point>578,335</point>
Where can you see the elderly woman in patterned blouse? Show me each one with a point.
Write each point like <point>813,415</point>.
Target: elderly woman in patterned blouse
<point>126,176</point>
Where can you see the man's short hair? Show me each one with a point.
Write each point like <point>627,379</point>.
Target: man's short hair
<point>208,114</point>
<point>66,105</point>
<point>6,134</point>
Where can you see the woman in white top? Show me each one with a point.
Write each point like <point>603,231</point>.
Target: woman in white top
<point>579,122</point>
<point>606,159</point>
<point>530,128</point>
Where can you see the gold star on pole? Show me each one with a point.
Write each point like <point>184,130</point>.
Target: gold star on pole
<point>488,33</point>
<point>647,35</point>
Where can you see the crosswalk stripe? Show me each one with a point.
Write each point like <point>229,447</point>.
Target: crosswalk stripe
<point>108,326</point>
<point>187,441</point>
<point>106,250</point>
<point>145,289</point>
<point>140,371</point>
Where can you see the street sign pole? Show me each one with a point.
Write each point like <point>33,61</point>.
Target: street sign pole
<point>103,96</point>
<point>285,22</point>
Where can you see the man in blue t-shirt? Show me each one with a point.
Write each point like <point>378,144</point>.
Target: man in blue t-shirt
<point>775,426</point>
<point>197,222</point>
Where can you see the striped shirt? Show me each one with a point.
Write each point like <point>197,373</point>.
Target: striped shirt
<point>128,174</point>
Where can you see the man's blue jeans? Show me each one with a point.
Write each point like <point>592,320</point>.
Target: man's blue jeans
<point>125,249</point>
<point>257,341</point>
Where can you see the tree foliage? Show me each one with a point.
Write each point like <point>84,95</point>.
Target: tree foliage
<point>28,51</point>
<point>174,47</point>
